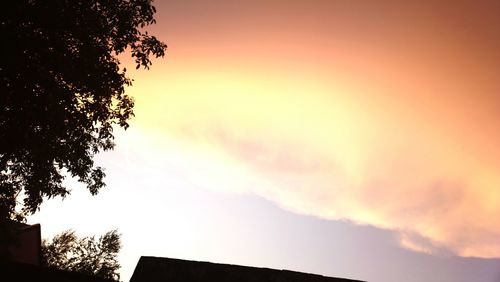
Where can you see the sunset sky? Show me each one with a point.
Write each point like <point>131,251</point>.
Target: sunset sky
<point>357,139</point>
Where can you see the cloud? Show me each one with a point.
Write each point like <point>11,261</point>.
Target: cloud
<point>386,118</point>
<point>324,148</point>
<point>436,208</point>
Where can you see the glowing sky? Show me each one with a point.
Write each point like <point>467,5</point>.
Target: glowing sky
<point>380,118</point>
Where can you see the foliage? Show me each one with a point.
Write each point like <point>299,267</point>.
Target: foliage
<point>86,255</point>
<point>62,92</point>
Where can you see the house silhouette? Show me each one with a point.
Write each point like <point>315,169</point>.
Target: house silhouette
<point>155,269</point>
<point>22,264</point>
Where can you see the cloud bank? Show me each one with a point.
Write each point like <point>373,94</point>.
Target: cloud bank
<point>332,156</point>
<point>384,115</point>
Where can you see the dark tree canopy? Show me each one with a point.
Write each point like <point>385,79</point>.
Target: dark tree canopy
<point>86,255</point>
<point>62,91</point>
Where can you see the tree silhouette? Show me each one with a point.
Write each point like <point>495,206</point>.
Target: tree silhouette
<point>87,255</point>
<point>62,92</point>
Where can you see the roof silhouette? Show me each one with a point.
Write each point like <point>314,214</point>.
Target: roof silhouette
<point>156,269</point>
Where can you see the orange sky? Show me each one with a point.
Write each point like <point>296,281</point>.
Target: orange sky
<point>356,139</point>
<point>382,114</point>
